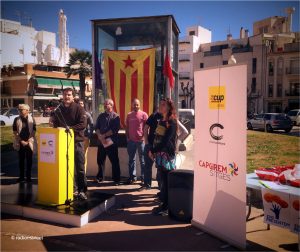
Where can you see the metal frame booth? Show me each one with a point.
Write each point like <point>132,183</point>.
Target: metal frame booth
<point>159,32</point>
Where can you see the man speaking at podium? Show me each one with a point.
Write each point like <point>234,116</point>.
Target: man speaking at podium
<point>71,115</point>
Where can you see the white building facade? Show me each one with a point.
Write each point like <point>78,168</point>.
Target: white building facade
<point>22,44</point>
<point>272,57</point>
<point>188,45</point>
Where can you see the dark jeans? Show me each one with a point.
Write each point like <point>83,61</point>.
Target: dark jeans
<point>112,153</point>
<point>80,182</point>
<point>164,174</point>
<point>132,147</point>
<point>148,166</point>
<point>25,153</point>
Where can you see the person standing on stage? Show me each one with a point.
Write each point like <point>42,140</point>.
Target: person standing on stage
<point>149,135</point>
<point>135,122</point>
<point>72,115</point>
<point>24,129</point>
<point>107,128</point>
<point>164,149</point>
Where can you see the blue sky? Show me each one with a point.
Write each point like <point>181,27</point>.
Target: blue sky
<point>217,16</point>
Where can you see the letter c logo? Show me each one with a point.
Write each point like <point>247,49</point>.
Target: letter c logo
<point>215,125</point>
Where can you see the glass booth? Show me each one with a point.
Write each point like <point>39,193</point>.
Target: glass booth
<point>159,32</point>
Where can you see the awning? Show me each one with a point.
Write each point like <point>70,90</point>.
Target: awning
<point>56,83</point>
<point>45,97</point>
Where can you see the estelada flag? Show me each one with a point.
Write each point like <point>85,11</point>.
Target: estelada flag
<point>130,74</point>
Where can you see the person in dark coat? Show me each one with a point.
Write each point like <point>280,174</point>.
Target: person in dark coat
<point>71,115</point>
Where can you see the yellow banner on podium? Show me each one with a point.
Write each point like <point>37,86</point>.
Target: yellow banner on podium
<point>54,147</point>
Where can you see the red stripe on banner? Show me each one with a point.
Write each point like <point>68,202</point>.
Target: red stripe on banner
<point>134,85</point>
<point>111,69</point>
<point>146,90</point>
<point>122,97</point>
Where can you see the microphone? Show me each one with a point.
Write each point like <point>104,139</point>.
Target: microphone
<point>57,107</point>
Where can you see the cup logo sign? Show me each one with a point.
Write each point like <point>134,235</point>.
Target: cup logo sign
<point>217,97</point>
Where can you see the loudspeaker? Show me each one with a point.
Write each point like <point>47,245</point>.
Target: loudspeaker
<point>180,194</point>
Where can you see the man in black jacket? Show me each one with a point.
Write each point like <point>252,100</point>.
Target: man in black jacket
<point>72,115</point>
<point>107,128</point>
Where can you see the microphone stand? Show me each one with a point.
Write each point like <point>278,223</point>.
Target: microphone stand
<point>67,201</point>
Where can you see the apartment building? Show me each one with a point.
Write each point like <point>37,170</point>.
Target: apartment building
<point>23,44</point>
<point>188,45</point>
<point>272,58</point>
<point>37,85</point>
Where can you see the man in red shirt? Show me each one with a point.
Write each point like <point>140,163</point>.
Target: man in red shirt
<point>135,122</point>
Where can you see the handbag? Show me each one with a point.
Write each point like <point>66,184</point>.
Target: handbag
<point>164,161</point>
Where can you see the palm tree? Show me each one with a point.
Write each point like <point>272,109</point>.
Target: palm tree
<point>80,63</point>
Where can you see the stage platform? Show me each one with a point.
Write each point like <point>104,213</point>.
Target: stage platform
<point>19,199</point>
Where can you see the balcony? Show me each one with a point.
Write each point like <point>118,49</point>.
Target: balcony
<point>295,93</point>
<point>254,95</point>
<point>292,47</point>
<point>184,40</point>
<point>292,71</point>
<point>212,53</point>
<point>184,75</point>
<point>242,49</point>
<point>184,57</point>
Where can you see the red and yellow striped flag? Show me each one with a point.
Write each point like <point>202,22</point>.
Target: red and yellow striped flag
<point>129,75</point>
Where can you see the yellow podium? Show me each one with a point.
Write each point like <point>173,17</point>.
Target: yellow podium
<point>53,144</point>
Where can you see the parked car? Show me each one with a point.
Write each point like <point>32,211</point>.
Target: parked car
<point>8,117</point>
<point>187,114</point>
<point>294,114</point>
<point>3,110</point>
<point>270,122</point>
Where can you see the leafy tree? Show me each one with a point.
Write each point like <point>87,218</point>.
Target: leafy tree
<point>80,63</point>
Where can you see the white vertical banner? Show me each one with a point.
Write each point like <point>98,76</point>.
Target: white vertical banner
<point>220,157</point>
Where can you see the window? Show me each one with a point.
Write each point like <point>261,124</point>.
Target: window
<point>271,68</point>
<point>192,33</point>
<point>279,90</point>
<point>13,111</point>
<point>201,65</point>
<point>21,51</point>
<point>263,29</point>
<point>270,90</point>
<point>16,102</point>
<point>280,66</point>
<point>294,89</point>
<point>294,66</point>
<point>267,117</point>
<point>280,117</point>
<point>254,61</point>
<point>225,62</point>
<point>33,53</point>
<point>253,85</point>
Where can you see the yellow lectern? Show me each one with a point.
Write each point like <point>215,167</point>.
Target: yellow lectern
<point>53,144</point>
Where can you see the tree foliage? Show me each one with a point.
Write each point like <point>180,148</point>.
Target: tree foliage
<point>80,63</point>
